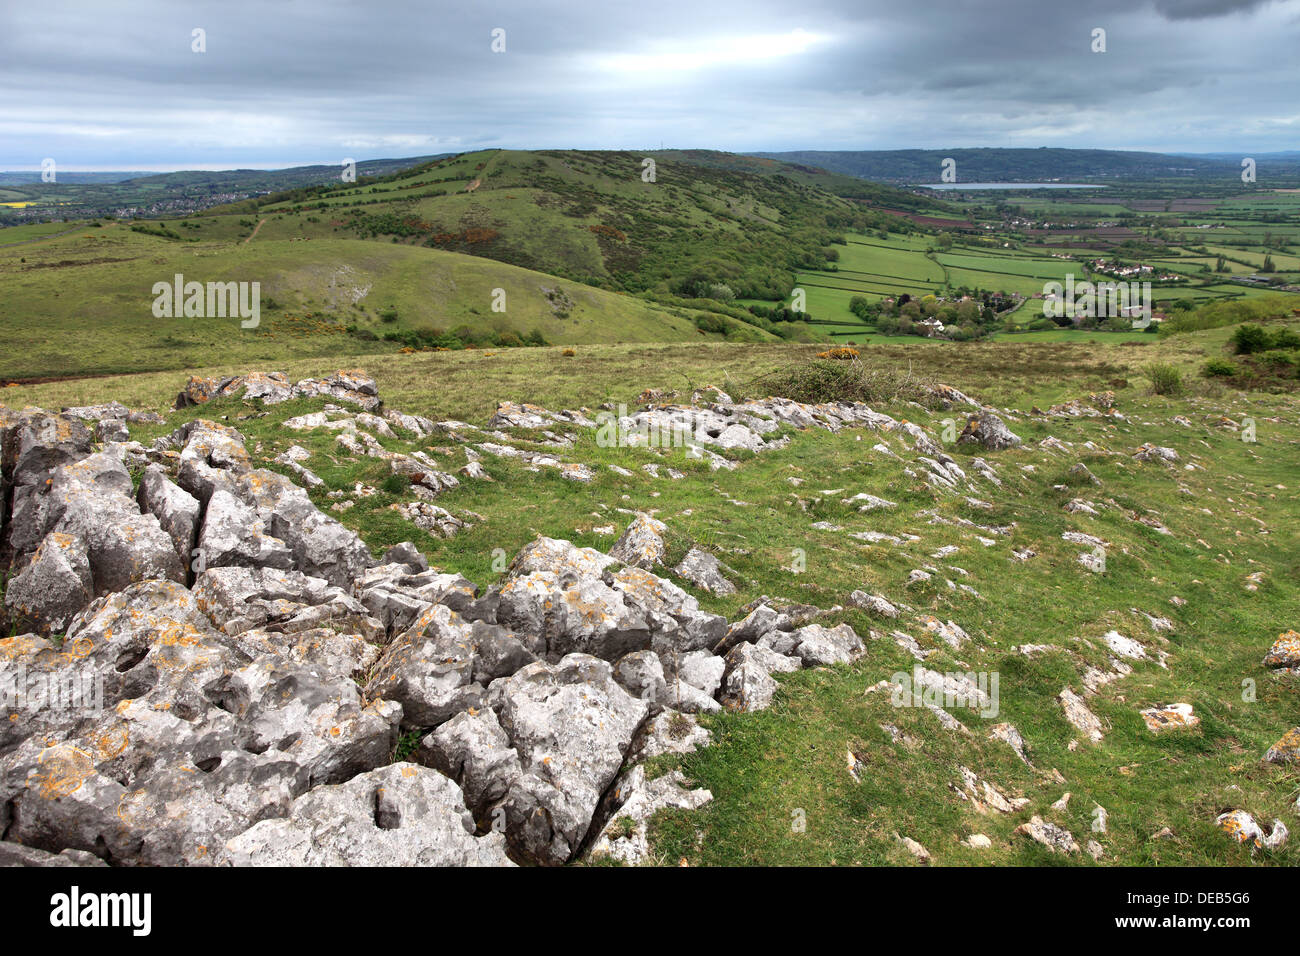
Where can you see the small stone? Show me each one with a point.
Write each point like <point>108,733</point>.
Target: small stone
<point>1055,838</point>
<point>1286,750</point>
<point>914,848</point>
<point>1170,717</point>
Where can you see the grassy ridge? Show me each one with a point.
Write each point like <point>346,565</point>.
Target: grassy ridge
<point>82,303</point>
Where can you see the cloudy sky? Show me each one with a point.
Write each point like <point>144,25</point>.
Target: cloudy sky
<point>116,84</point>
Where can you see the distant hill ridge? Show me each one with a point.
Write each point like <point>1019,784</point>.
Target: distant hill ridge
<point>994,164</point>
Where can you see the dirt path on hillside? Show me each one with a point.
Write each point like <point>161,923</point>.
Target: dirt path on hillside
<point>254,232</point>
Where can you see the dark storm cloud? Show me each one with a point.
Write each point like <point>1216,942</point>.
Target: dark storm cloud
<point>1200,9</point>
<point>287,81</point>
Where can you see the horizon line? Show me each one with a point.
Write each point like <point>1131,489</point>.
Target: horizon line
<point>280,165</point>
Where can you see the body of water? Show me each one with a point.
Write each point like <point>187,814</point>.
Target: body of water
<point>1010,186</point>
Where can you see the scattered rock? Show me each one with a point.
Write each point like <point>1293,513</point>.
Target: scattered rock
<point>1284,655</point>
<point>1079,716</point>
<point>1241,826</point>
<point>1056,839</point>
<point>1150,452</point>
<point>989,431</point>
<point>1170,717</point>
<point>1286,750</point>
<point>1009,735</point>
<point>704,571</point>
<point>873,603</point>
<point>921,854</point>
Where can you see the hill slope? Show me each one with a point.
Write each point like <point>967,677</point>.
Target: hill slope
<point>592,216</point>
<point>83,303</point>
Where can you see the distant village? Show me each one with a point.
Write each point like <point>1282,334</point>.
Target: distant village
<point>1137,270</point>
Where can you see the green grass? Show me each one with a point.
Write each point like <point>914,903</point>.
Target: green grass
<point>81,304</point>
<point>767,769</point>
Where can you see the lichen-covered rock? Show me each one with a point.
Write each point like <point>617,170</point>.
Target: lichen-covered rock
<point>676,622</point>
<point>212,457</point>
<point>572,725</point>
<point>1010,735</point>
<point>396,595</point>
<point>1241,826</point>
<point>989,431</point>
<point>558,557</point>
<point>635,800</point>
<point>699,669</point>
<point>1170,717</point>
<point>671,732</point>
<point>271,388</point>
<point>751,628</point>
<point>54,585</point>
<point>642,674</point>
<point>320,545</point>
<point>15,854</point>
<point>183,718</point>
<point>92,499</point>
<point>1285,652</point>
<point>564,616</point>
<point>704,571</point>
<point>819,646</point>
<point>177,511</point>
<point>232,535</point>
<point>1286,750</point>
<point>642,544</point>
<point>1150,452</point>
<point>408,554</point>
<point>873,603</point>
<point>429,669</point>
<point>399,815</point>
<point>473,749</point>
<point>32,444</point>
<point>426,516</point>
<point>747,683</point>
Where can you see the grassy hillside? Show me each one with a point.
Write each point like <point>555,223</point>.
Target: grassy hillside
<point>591,216</point>
<point>1233,514</point>
<point>422,249</point>
<point>81,303</point>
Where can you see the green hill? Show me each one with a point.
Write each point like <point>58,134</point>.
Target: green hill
<point>591,216</point>
<point>82,303</point>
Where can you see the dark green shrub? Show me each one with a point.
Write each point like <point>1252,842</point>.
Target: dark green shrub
<point>1248,339</point>
<point>1166,379</point>
<point>1218,368</point>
